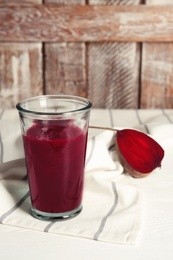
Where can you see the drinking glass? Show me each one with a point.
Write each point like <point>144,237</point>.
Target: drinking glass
<point>54,130</point>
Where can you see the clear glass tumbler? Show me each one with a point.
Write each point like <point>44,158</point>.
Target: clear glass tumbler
<point>55,130</point>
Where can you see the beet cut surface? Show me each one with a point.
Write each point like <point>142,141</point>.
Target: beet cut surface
<point>139,150</point>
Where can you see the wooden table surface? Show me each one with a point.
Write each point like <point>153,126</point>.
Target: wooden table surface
<point>156,236</point>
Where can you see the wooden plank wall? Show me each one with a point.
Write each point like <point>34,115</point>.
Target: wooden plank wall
<point>131,68</point>
<point>157,70</point>
<point>65,63</point>
<point>113,69</point>
<point>21,68</point>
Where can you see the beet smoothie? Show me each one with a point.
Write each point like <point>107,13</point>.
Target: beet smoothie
<point>55,156</point>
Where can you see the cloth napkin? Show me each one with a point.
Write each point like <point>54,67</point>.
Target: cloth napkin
<point>112,203</point>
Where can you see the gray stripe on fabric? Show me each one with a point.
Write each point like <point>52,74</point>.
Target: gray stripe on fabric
<point>169,119</point>
<point>1,149</point>
<point>141,123</point>
<point>93,140</point>
<point>49,226</point>
<point>111,117</point>
<point>1,143</point>
<point>2,112</point>
<point>18,204</point>
<point>112,209</point>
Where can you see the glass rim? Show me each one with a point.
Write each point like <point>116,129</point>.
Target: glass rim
<point>86,107</point>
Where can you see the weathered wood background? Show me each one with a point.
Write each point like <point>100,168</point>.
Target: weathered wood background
<point>119,54</point>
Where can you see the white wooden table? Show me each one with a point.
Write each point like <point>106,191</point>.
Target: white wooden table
<point>156,237</point>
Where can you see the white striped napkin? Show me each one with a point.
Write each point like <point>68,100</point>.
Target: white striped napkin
<point>112,204</point>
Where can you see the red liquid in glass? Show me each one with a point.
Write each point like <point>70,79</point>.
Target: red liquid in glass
<point>55,157</point>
